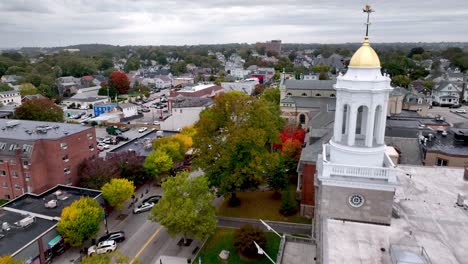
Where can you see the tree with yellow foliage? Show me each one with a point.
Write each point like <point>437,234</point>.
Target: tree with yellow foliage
<point>117,191</point>
<point>80,221</point>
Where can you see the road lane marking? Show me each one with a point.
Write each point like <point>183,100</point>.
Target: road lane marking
<point>146,244</point>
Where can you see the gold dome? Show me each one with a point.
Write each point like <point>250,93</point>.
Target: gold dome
<point>365,56</point>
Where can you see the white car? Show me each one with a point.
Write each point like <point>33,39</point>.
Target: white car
<point>460,111</point>
<point>103,247</point>
<point>156,123</point>
<point>104,145</point>
<point>143,129</point>
<point>143,208</point>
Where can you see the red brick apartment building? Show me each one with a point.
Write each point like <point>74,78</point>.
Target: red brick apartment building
<point>35,156</point>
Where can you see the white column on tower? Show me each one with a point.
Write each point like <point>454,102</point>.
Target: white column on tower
<point>370,126</point>
<point>382,121</point>
<point>338,125</point>
<point>352,125</point>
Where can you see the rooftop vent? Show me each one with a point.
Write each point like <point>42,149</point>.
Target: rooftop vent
<point>461,200</point>
<point>12,123</point>
<point>65,132</point>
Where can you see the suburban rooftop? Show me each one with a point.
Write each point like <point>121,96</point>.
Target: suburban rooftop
<point>36,130</point>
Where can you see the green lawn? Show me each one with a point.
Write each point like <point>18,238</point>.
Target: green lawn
<point>259,205</point>
<point>224,239</point>
<point>2,202</point>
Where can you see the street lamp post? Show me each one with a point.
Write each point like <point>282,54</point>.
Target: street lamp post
<point>269,228</point>
<point>262,252</point>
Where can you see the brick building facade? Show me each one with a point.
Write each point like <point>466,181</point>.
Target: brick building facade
<point>35,156</point>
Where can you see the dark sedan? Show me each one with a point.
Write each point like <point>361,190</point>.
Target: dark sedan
<point>118,236</point>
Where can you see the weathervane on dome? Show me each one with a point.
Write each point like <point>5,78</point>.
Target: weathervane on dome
<point>367,9</point>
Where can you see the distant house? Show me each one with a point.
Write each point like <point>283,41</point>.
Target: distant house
<point>102,108</point>
<point>9,78</point>
<point>455,76</point>
<point>239,73</point>
<point>127,109</point>
<point>85,99</point>
<point>163,81</point>
<point>27,98</point>
<point>87,81</point>
<point>446,93</point>
<point>247,86</point>
<point>10,98</point>
<point>182,80</point>
<point>68,85</point>
<point>203,90</point>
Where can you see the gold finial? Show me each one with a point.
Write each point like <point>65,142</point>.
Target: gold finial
<point>367,9</point>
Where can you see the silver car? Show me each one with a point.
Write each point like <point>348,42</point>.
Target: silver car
<point>143,208</point>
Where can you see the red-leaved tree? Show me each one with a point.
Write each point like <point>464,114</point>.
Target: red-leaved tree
<point>119,81</point>
<point>291,133</point>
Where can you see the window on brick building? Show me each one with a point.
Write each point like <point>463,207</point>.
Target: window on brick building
<point>5,185</point>
<point>17,186</point>
<point>26,163</point>
<point>13,162</point>
<point>14,174</point>
<point>64,145</point>
<point>1,161</point>
<point>91,147</point>
<point>27,176</point>
<point>2,173</point>
<point>67,170</point>
<point>90,135</point>
<point>65,158</point>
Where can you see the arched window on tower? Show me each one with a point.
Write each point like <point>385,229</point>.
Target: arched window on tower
<point>302,119</point>
<point>304,94</point>
<point>318,95</point>
<point>288,94</point>
<point>332,95</point>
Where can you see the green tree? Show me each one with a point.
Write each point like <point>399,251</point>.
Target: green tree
<point>276,174</point>
<point>244,240</point>
<point>321,68</point>
<point>40,110</point>
<point>157,162</point>
<point>428,84</point>
<point>401,80</point>
<point>186,207</point>
<point>272,95</point>
<point>233,141</point>
<point>27,89</point>
<point>80,221</point>
<point>110,258</point>
<point>132,64</point>
<point>117,191</point>
<point>288,203</point>
<point>5,87</point>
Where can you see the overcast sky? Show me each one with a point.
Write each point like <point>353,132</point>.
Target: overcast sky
<point>159,22</point>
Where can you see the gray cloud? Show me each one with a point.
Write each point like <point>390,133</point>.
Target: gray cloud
<point>148,22</point>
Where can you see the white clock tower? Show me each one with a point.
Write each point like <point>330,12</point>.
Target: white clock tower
<point>356,179</point>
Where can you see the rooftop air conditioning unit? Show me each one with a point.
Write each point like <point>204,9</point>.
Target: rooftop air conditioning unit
<point>28,220</point>
<point>51,204</point>
<point>12,123</point>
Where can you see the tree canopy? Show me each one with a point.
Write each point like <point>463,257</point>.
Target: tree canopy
<point>117,191</point>
<point>80,221</point>
<point>119,81</point>
<point>42,109</point>
<point>233,141</point>
<point>157,162</point>
<point>186,207</point>
<point>27,89</point>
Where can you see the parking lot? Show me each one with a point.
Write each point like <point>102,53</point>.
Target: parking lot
<point>449,114</point>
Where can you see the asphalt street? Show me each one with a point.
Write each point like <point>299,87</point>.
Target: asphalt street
<point>450,117</point>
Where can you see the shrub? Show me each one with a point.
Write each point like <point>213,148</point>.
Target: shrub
<point>288,203</point>
<point>244,237</point>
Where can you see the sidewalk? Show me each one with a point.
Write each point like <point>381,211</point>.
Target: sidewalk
<point>72,255</point>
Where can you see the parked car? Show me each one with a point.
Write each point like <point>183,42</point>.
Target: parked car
<point>146,110</point>
<point>122,138</point>
<point>143,129</point>
<point>102,247</point>
<point>124,129</point>
<point>104,145</point>
<point>156,123</point>
<point>460,111</point>
<point>118,236</point>
<point>152,199</point>
<point>100,148</point>
<point>107,140</point>
<point>143,208</point>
